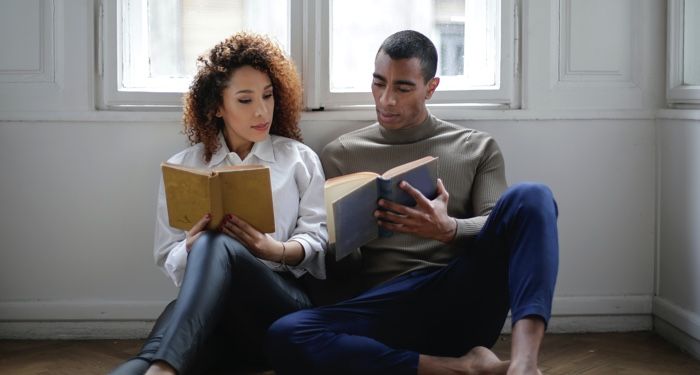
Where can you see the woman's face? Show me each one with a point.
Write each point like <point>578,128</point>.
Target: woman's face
<point>246,108</point>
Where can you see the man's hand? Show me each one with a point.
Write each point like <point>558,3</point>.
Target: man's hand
<point>427,219</point>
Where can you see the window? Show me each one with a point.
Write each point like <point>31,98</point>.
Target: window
<point>683,87</point>
<point>148,48</point>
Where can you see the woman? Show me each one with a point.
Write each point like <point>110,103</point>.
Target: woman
<point>242,108</point>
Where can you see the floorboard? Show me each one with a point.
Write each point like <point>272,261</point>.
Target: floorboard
<point>637,353</point>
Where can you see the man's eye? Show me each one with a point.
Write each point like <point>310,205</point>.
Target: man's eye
<point>378,84</point>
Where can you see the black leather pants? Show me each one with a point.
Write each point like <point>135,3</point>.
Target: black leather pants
<point>227,300</point>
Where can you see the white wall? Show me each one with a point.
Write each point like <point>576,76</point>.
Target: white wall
<point>677,304</point>
<point>77,192</point>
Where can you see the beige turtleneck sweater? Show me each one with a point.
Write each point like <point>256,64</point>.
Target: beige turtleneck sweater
<point>470,165</point>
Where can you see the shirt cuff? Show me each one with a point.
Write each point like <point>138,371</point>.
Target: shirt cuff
<point>468,228</point>
<point>176,263</point>
<point>310,263</point>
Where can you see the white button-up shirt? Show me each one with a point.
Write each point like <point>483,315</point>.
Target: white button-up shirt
<point>297,196</point>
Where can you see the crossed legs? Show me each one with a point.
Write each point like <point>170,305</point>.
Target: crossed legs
<point>225,288</point>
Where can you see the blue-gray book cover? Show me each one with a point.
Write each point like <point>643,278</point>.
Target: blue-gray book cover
<point>353,213</point>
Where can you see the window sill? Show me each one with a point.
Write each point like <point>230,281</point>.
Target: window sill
<point>452,113</point>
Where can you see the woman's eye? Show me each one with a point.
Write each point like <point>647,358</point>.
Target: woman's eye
<point>267,96</point>
<point>244,101</point>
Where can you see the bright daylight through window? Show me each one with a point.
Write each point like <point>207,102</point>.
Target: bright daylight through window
<point>157,44</point>
<point>358,28</point>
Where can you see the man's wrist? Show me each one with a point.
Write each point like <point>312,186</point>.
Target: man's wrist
<point>452,232</point>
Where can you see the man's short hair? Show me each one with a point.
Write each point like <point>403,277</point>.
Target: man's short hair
<point>408,44</point>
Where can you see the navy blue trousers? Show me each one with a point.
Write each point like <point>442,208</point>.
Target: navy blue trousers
<point>512,263</point>
<point>227,300</point>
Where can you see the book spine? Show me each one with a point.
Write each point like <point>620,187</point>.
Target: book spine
<point>216,204</point>
<point>384,190</point>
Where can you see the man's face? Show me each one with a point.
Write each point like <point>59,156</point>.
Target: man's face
<point>400,92</point>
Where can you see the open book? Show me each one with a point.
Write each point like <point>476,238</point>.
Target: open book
<point>352,199</point>
<point>241,190</point>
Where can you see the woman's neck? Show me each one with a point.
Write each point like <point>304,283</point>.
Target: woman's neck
<point>237,145</point>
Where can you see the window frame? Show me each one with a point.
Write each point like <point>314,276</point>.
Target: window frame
<point>678,94</point>
<point>309,33</point>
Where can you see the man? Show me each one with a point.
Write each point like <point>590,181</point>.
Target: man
<point>441,286</point>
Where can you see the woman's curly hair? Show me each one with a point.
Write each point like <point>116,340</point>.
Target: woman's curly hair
<point>214,72</point>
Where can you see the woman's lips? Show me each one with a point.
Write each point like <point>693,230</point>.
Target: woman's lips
<point>261,127</point>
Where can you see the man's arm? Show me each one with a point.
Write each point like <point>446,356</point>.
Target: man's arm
<point>430,219</point>
<point>487,187</point>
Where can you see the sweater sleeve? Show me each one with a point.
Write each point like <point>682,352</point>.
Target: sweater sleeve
<point>488,185</point>
<point>331,159</point>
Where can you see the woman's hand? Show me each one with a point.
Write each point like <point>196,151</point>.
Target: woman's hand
<point>259,244</point>
<point>196,231</point>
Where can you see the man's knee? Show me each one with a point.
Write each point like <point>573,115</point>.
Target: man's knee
<point>532,196</point>
<point>282,332</point>
<point>284,346</point>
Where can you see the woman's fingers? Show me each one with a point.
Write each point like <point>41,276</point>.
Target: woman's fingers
<point>196,230</point>
<point>200,225</point>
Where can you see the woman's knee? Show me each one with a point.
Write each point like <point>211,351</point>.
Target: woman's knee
<point>220,246</point>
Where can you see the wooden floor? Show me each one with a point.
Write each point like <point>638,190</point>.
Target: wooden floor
<point>637,353</point>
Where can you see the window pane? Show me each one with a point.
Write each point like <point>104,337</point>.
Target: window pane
<point>162,39</point>
<point>357,28</point>
<point>691,46</point>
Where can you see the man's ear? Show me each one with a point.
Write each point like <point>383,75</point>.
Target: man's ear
<point>432,85</point>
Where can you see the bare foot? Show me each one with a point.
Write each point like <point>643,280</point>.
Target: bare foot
<point>480,360</point>
<point>160,368</point>
<point>523,369</point>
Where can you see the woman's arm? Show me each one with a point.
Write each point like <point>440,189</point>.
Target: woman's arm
<point>169,245</point>
<point>310,230</point>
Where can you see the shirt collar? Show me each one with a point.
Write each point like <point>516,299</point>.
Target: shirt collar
<point>263,150</point>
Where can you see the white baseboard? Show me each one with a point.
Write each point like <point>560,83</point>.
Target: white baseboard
<point>133,319</point>
<point>135,329</point>
<point>602,305</point>
<point>684,320</point>
<point>677,325</point>
<point>75,330</point>
<point>80,310</point>
<point>677,337</point>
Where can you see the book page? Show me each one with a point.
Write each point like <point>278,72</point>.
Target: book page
<point>204,172</point>
<point>408,166</point>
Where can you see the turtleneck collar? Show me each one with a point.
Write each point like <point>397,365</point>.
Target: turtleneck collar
<point>409,135</point>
